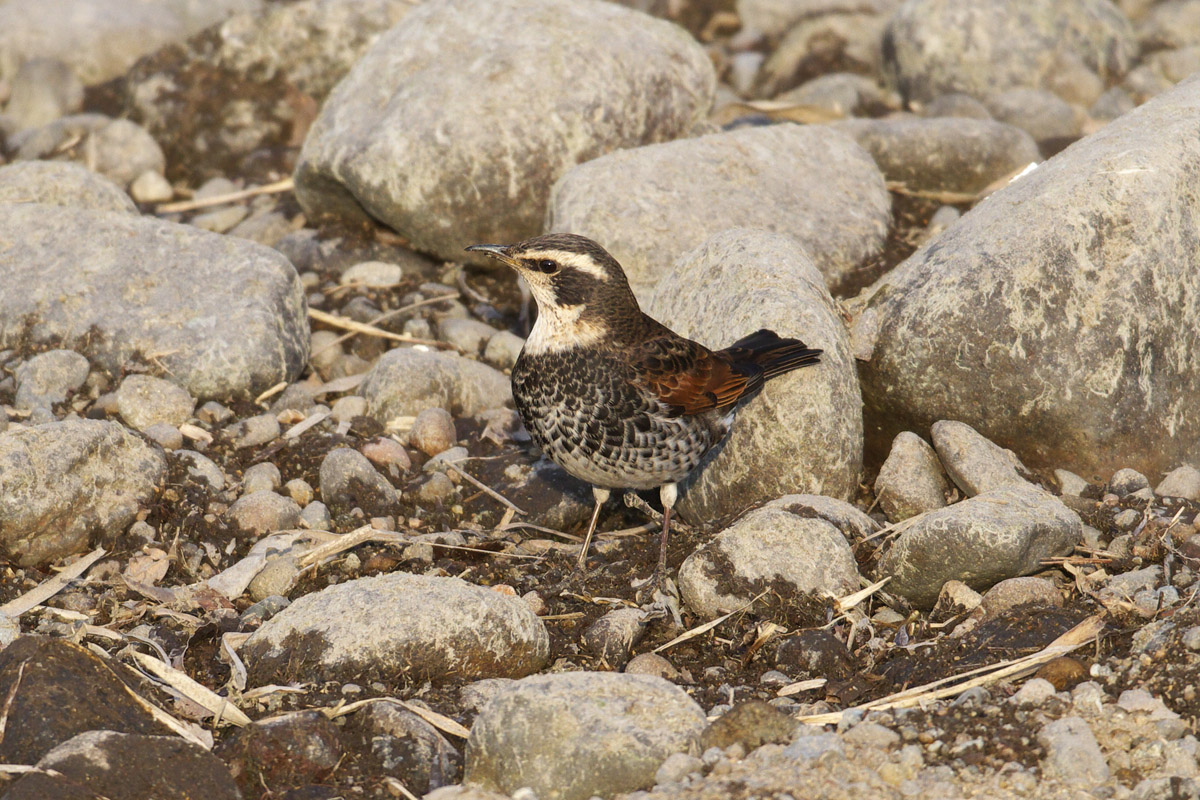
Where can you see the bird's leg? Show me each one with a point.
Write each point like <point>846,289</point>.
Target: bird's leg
<point>668,494</point>
<point>601,496</point>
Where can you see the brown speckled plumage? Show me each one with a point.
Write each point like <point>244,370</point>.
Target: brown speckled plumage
<point>611,395</point>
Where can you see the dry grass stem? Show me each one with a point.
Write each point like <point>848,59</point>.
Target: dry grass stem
<point>221,709</point>
<point>1082,634</point>
<point>278,187</point>
<point>51,586</point>
<point>706,627</point>
<point>348,324</point>
<point>851,600</point>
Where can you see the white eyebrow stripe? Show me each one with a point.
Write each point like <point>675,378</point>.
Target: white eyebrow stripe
<point>579,261</point>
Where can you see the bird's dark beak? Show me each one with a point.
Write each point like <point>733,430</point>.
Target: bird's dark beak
<point>496,251</point>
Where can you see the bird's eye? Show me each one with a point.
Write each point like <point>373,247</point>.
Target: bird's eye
<point>547,266</point>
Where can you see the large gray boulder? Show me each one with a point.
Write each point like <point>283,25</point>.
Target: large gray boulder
<point>574,735</point>
<point>454,125</point>
<point>934,47</point>
<point>943,154</point>
<point>803,433</point>
<point>62,482</point>
<point>412,627</point>
<point>798,543</point>
<point>996,535</point>
<point>651,205</point>
<point>61,183</point>
<point>218,315</point>
<point>100,39</point>
<point>1058,317</point>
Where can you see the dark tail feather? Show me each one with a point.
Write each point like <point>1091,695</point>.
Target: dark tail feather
<point>772,354</point>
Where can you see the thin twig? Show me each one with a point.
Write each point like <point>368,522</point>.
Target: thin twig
<point>278,187</point>
<point>369,330</point>
<point>706,627</point>
<point>1077,637</point>
<point>381,318</point>
<point>489,491</point>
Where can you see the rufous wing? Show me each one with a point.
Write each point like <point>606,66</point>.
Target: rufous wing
<point>689,378</point>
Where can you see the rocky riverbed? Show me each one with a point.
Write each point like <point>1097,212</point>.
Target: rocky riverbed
<point>270,526</point>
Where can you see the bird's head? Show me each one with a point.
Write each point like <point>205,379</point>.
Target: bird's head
<point>574,280</point>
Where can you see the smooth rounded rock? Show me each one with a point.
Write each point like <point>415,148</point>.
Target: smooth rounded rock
<point>572,735</point>
<point>1010,308</point>
<point>48,378</point>
<point>377,274</point>
<point>99,39</point>
<point>469,335</point>
<point>810,183</point>
<point>348,479</point>
<point>936,46</point>
<point>975,464</point>
<point>415,626</point>
<point>144,400</point>
<point>612,637</point>
<point>943,154</point>
<point>264,512</point>
<point>911,480</point>
<point>433,431</point>
<point>1013,592</point>
<point>503,349</point>
<point>405,381</point>
<point>1180,482</point>
<point>43,90</point>
<point>1045,116</point>
<point>60,183</point>
<point>784,543</point>
<point>63,482</point>
<point>459,143</point>
<point>1003,533</point>
<point>801,433</point>
<point>222,316</point>
<point>118,149</point>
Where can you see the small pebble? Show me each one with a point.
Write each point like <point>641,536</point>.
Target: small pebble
<point>503,349</point>
<point>348,407</point>
<point>1127,481</point>
<point>299,490</point>
<point>652,664</point>
<point>277,578</point>
<point>446,459</point>
<point>220,220</point>
<point>315,517</point>
<point>377,274</point>
<point>1127,519</point>
<point>437,489</point>
<point>386,452</point>
<point>166,435</point>
<point>433,431</point>
<point>255,431</point>
<point>151,187</point>
<point>143,400</point>
<point>214,413</point>
<point>1181,482</point>
<point>263,477</point>
<point>1063,673</point>
<point>1035,692</point>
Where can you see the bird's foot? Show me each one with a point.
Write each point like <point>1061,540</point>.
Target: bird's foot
<point>663,598</point>
<point>575,582</point>
<point>634,501</point>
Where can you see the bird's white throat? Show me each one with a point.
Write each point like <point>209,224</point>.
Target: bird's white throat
<point>559,328</point>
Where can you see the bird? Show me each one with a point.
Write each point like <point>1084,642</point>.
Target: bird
<point>611,395</point>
